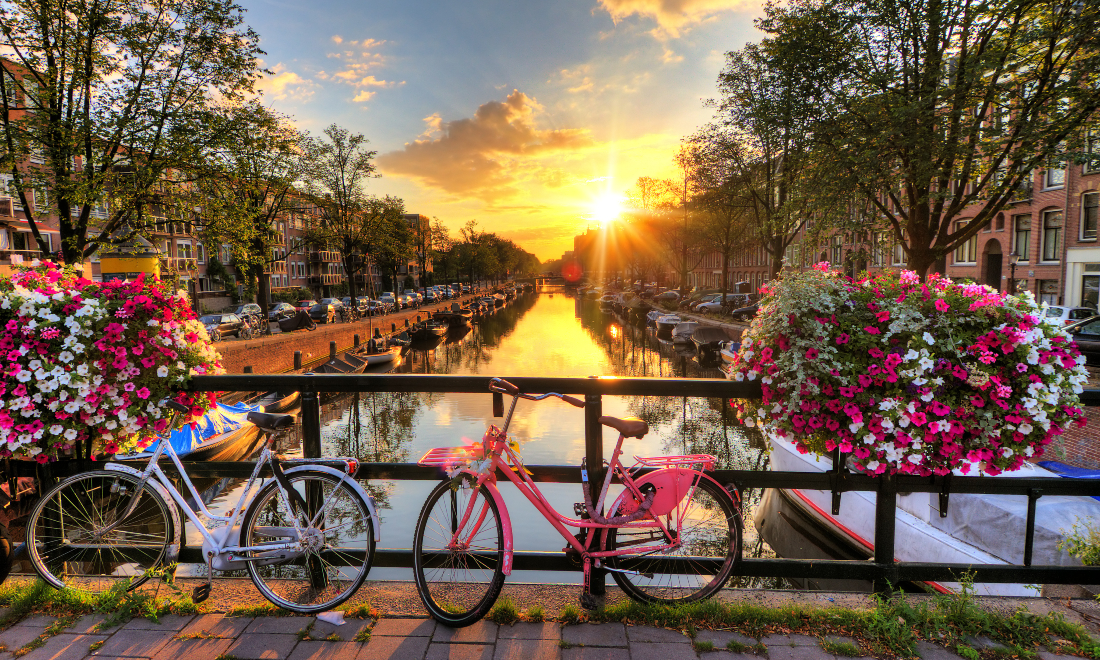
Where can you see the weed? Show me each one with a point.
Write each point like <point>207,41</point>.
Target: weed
<point>196,635</point>
<point>735,646</point>
<point>362,636</point>
<point>1083,542</point>
<point>97,645</point>
<point>304,633</point>
<point>504,612</point>
<point>567,645</point>
<point>364,611</point>
<point>571,614</point>
<point>264,609</point>
<point>334,637</point>
<point>841,648</point>
<point>703,647</point>
<point>534,614</point>
<point>967,652</point>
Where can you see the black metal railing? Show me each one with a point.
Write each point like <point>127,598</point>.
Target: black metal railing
<point>883,570</point>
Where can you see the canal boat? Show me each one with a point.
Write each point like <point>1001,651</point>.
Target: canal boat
<point>665,325</point>
<point>978,529</point>
<point>708,340</point>
<point>378,357</point>
<point>344,364</point>
<point>498,300</point>
<point>652,316</point>
<point>683,331</point>
<point>429,330</point>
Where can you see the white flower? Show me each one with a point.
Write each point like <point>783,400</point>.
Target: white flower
<point>1025,428</point>
<point>928,338</point>
<point>71,407</point>
<point>70,434</point>
<point>162,371</point>
<point>855,426</point>
<point>56,429</point>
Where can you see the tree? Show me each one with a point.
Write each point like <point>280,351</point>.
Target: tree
<point>115,100</point>
<point>245,182</point>
<point>361,226</point>
<point>939,111</point>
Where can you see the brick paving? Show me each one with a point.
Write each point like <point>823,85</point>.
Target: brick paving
<point>218,637</point>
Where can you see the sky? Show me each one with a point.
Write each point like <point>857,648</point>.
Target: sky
<point>527,116</point>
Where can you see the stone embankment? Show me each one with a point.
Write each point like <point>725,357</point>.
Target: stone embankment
<point>274,353</point>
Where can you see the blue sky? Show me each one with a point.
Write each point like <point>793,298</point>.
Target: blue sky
<point>521,115</point>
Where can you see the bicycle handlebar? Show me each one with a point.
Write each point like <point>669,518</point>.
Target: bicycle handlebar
<point>504,387</point>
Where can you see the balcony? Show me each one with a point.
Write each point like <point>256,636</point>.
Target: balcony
<point>1022,193</point>
<point>324,257</point>
<point>325,279</point>
<point>178,264</point>
<point>275,268</point>
<point>18,257</point>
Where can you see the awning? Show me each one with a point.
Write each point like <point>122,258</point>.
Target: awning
<point>22,225</point>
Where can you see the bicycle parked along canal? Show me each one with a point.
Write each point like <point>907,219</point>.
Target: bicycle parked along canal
<point>672,535</point>
<point>306,536</point>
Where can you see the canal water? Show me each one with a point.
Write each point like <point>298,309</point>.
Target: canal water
<point>549,333</point>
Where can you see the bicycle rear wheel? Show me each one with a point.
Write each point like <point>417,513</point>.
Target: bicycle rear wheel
<point>341,545</point>
<point>459,582</point>
<point>67,544</point>
<point>709,527</point>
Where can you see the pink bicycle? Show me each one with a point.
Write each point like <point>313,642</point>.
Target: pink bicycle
<point>672,535</point>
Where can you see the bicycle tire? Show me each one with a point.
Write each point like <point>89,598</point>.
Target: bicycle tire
<point>719,535</point>
<point>98,498</point>
<point>441,574</point>
<point>291,585</point>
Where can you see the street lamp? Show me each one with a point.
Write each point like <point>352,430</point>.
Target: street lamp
<point>1013,257</point>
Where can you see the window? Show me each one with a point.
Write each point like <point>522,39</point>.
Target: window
<point>837,250</point>
<point>41,200</point>
<point>1089,203</point>
<point>1092,150</point>
<point>10,90</point>
<point>1055,175</point>
<point>967,253</point>
<point>200,253</point>
<point>183,249</point>
<point>1000,224</point>
<point>1052,235</point>
<point>1021,241</point>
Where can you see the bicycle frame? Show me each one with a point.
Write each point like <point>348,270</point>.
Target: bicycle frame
<point>494,450</point>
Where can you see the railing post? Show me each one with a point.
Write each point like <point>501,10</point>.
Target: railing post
<point>297,360</point>
<point>311,425</point>
<point>886,504</point>
<point>332,350</point>
<point>593,450</point>
<point>356,341</point>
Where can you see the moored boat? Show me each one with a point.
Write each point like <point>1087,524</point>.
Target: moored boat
<point>665,325</point>
<point>708,340</point>
<point>429,330</point>
<point>683,331</point>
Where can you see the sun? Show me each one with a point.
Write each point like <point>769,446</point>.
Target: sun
<point>606,208</point>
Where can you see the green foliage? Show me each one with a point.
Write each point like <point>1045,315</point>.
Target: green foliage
<point>504,612</point>
<point>535,614</point>
<point>1083,542</point>
<point>571,614</point>
<point>703,647</point>
<point>846,649</point>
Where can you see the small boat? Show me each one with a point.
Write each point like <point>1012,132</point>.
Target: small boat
<point>708,340</point>
<point>429,330</point>
<point>652,316</point>
<point>665,325</point>
<point>683,331</point>
<point>344,364</point>
<point>978,528</point>
<point>498,300</point>
<point>728,351</point>
<point>224,433</point>
<point>378,357</point>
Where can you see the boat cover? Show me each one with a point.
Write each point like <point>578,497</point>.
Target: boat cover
<point>1063,470</point>
<point>219,421</point>
<point>302,320</point>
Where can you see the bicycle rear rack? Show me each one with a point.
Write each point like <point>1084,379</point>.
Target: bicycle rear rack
<point>705,461</point>
<point>449,456</point>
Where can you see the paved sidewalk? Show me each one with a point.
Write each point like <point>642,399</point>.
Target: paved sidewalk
<point>218,637</point>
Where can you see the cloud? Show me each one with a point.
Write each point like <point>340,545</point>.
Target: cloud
<point>486,156</point>
<point>337,39</point>
<point>673,16</point>
<point>355,66</point>
<point>363,96</point>
<point>282,84</point>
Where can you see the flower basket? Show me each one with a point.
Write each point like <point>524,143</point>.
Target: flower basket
<point>908,376</point>
<point>91,363</point>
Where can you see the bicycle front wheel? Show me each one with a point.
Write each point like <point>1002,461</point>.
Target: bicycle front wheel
<point>335,555</point>
<point>79,536</point>
<point>708,526</point>
<point>459,572</point>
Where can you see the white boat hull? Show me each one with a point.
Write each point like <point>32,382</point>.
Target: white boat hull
<point>979,529</point>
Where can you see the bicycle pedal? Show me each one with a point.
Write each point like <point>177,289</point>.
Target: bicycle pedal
<point>200,593</point>
<point>580,509</point>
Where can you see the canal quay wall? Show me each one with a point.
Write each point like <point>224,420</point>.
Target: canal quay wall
<point>273,354</point>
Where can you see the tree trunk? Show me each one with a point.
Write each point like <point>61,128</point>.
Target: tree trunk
<point>263,288</point>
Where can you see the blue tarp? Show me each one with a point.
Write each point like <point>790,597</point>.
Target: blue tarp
<point>220,420</point>
<point>1063,470</point>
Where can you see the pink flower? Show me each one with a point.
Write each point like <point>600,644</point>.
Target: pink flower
<point>843,339</point>
<point>872,330</point>
<point>811,354</point>
<point>143,393</point>
<point>942,305</point>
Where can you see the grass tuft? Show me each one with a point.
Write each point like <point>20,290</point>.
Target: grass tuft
<point>362,636</point>
<point>846,649</point>
<point>263,609</point>
<point>572,614</point>
<point>703,647</point>
<point>534,614</point>
<point>504,612</point>
<point>364,611</point>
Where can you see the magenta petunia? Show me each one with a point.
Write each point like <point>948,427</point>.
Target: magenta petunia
<point>811,353</point>
<point>872,330</point>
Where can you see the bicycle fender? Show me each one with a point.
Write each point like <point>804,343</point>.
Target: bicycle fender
<point>173,508</point>
<point>353,484</point>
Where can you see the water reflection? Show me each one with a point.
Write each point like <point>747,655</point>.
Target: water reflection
<point>534,335</point>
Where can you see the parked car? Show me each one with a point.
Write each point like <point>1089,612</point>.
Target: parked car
<point>223,325</point>
<point>304,305</point>
<point>319,312</point>
<point>280,312</point>
<point>248,309</point>
<point>667,295</point>
<point>377,308</point>
<point>1086,334</point>
<point>430,297</point>
<point>1065,315</point>
<point>694,304</point>
<point>745,313</point>
<point>714,306</point>
<point>335,302</point>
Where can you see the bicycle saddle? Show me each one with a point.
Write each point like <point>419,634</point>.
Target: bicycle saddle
<point>631,427</point>
<point>270,422</point>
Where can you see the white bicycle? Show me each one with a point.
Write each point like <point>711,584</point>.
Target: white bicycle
<point>306,535</point>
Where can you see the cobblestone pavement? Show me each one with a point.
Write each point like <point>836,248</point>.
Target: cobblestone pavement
<point>218,637</point>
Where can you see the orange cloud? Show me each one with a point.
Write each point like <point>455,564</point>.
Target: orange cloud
<point>281,84</point>
<point>672,16</point>
<point>488,155</point>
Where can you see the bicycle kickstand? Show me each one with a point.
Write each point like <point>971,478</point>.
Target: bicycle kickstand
<point>589,601</point>
<point>202,592</point>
